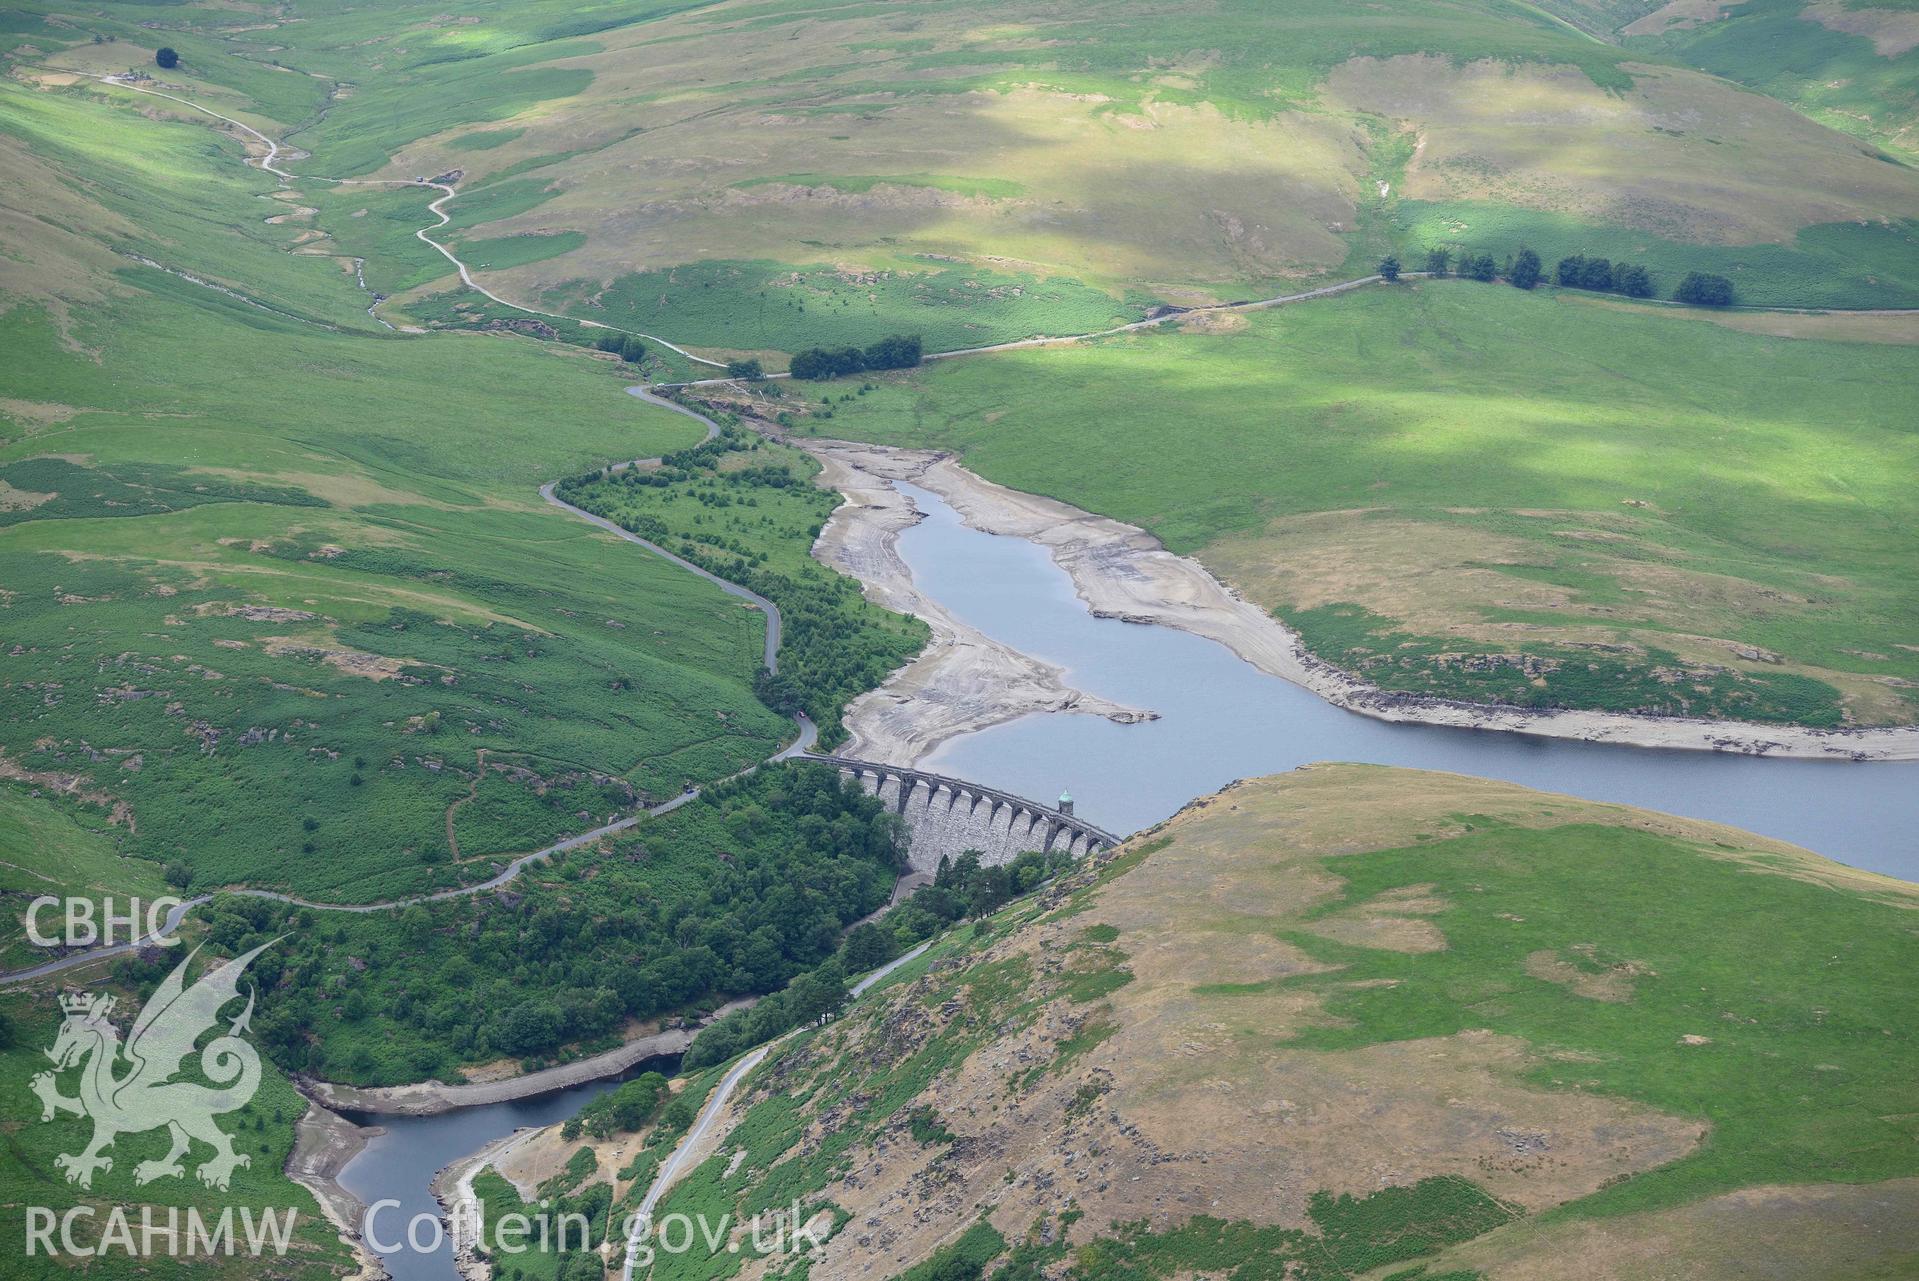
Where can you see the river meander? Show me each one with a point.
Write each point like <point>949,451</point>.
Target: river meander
<point>1221,719</point>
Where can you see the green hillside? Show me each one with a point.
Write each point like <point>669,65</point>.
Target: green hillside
<point>769,176</point>
<point>1847,63</point>
<point>1461,489</point>
<point>1365,1022</point>
<point>280,585</point>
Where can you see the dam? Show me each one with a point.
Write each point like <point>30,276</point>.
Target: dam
<point>948,816</point>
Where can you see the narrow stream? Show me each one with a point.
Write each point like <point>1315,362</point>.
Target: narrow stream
<point>1222,719</point>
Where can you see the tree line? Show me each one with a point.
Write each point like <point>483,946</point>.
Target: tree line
<point>625,346</point>
<point>1602,276</point>
<point>737,894</point>
<point>1524,270</point>
<point>835,645</point>
<point>900,351</point>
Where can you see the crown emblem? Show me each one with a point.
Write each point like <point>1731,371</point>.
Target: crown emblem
<point>85,1004</point>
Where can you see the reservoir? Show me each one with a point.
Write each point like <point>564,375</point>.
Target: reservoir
<point>1222,719</point>
<point>399,1165</point>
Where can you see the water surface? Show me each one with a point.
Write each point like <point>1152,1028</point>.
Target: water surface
<point>1222,719</point>
<point>400,1164</point>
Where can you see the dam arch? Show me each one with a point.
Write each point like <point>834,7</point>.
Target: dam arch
<point>947,816</point>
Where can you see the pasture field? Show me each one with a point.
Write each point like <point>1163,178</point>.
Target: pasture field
<point>1353,1017</point>
<point>766,307</point>
<point>283,602</point>
<point>1468,490</point>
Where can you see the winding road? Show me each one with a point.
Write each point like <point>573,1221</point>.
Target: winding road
<point>715,1107</point>
<point>802,743</point>
<point>807,734</point>
<point>436,208</point>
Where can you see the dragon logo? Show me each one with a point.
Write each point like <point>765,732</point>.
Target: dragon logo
<point>134,1088</point>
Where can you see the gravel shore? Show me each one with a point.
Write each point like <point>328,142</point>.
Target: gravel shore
<point>964,682</point>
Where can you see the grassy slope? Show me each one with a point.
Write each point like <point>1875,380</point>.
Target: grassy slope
<point>1488,472</point>
<point>67,850</point>
<point>262,1131</point>
<point>434,595</point>
<point>417,591</point>
<point>1089,160</point>
<point>1353,979</point>
<point>1057,101</point>
<point>1838,77</point>
<point>278,581</point>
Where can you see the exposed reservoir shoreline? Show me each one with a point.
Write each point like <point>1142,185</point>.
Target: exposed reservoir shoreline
<point>430,1098</point>
<point>1223,718</point>
<point>324,1144</point>
<point>963,680</point>
<point>1121,571</point>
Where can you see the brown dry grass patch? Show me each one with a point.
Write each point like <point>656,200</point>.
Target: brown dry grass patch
<point>1824,1232</point>
<point>1196,1104</point>
<point>1683,156</point>
<point>1444,578</point>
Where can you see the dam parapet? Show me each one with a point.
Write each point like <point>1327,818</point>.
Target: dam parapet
<point>948,816</point>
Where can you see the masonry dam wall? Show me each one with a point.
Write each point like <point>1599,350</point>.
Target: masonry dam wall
<point>949,815</point>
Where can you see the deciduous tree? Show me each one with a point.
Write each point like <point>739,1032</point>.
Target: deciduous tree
<point>1702,289</point>
<point>1632,280</point>
<point>900,351</point>
<point>1525,270</point>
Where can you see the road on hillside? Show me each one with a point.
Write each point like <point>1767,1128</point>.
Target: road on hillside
<point>803,742</point>
<point>808,733</point>
<point>641,1219</point>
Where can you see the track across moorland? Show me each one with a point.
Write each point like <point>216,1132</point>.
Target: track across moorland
<point>274,151</point>
<point>709,1116</point>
